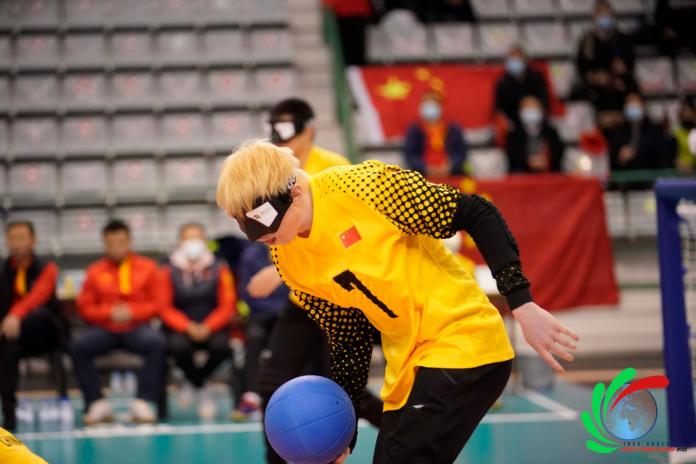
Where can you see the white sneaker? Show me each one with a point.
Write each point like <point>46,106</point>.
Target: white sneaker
<point>100,411</point>
<point>142,412</point>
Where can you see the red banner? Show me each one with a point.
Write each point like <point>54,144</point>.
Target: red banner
<point>560,226</point>
<point>389,96</point>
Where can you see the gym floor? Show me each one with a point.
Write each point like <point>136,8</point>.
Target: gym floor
<point>529,427</point>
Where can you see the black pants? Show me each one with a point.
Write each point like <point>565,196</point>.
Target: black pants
<point>258,335</point>
<point>41,331</point>
<point>295,342</point>
<point>183,349</point>
<point>142,340</point>
<point>442,411</point>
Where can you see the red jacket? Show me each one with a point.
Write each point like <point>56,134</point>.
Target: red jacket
<point>40,283</point>
<point>102,290</point>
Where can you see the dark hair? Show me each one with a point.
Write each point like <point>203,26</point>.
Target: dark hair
<point>22,223</point>
<point>603,3</point>
<point>188,225</point>
<point>295,107</point>
<point>115,225</point>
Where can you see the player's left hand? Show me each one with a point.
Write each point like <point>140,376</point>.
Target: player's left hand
<point>342,458</point>
<point>546,334</point>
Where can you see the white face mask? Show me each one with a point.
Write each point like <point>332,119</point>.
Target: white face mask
<point>194,249</point>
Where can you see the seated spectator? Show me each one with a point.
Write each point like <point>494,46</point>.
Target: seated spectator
<point>30,315</point>
<point>605,66</point>
<point>639,143</point>
<point>534,145</point>
<point>265,302</point>
<point>198,301</point>
<point>434,147</point>
<point>686,161</point>
<point>518,81</point>
<point>118,300</point>
<point>674,20</point>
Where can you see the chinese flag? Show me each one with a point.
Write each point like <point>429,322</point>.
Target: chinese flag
<point>350,236</point>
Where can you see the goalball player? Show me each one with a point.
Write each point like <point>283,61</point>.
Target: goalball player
<point>358,245</point>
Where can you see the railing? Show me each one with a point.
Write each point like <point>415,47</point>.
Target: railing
<point>344,111</point>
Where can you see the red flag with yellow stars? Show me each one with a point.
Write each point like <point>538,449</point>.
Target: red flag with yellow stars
<point>389,96</point>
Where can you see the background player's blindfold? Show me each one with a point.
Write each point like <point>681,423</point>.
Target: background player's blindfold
<point>283,131</point>
<point>267,214</point>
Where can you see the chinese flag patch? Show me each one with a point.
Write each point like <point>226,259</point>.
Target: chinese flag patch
<point>350,236</point>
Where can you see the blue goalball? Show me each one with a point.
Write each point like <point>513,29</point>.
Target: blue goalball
<point>310,420</point>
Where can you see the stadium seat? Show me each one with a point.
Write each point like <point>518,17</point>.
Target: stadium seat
<point>534,7</point>
<point>576,31</point>
<point>29,13</point>
<point>376,44</point>
<point>4,139</point>
<point>84,135</point>
<point>87,13</point>
<point>271,45</point>
<point>134,134</point>
<point>84,181</point>
<point>3,181</point>
<point>178,12</point>
<point>45,224</point>
<point>186,178</point>
<point>616,216</point>
<point>230,128</point>
<point>133,89</point>
<point>178,47</point>
<point>144,224</point>
<point>579,117</point>
<point>180,88</point>
<point>629,6</point>
<point>4,93</point>
<point>496,38</point>
<point>6,55</point>
<point>575,7</point>
<point>269,11</point>
<point>131,48</point>
<point>34,136</point>
<point>687,74</point>
<point>134,13</point>
<point>487,163</point>
<point>80,229</point>
<point>221,225</point>
<point>30,183</point>
<point>219,12</point>
<point>491,8</point>
<point>225,46</point>
<point>546,38</point>
<point>86,49</point>
<point>135,179</point>
<point>84,91</point>
<point>39,92</point>
<point>228,86</point>
<point>184,132</point>
<point>654,75</point>
<point>36,50</point>
<point>562,74</point>
<point>406,37</point>
<point>274,84</point>
<point>454,41</point>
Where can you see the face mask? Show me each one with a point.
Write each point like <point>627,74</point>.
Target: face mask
<point>531,116</point>
<point>633,112</point>
<point>605,22</point>
<point>430,111</point>
<point>515,66</point>
<point>194,249</point>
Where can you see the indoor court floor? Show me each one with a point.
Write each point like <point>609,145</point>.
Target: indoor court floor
<point>530,427</point>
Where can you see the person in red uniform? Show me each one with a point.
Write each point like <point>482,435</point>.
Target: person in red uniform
<point>118,300</point>
<point>29,313</point>
<point>198,302</point>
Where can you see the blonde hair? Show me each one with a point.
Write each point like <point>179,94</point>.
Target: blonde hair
<point>257,169</point>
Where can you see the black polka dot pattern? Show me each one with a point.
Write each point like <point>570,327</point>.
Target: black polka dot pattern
<point>413,204</point>
<point>511,278</point>
<point>350,339</point>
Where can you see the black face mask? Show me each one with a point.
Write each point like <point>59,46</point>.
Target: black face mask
<point>687,124</point>
<point>284,131</point>
<point>267,214</point>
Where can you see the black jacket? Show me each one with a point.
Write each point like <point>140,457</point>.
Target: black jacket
<point>517,151</point>
<point>655,148</point>
<point>510,90</point>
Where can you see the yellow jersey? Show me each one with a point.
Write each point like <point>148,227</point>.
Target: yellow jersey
<point>13,451</point>
<point>373,258</point>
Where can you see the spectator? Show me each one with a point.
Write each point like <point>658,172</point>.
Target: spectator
<point>118,300</point>
<point>534,145</point>
<point>263,315</point>
<point>433,146</point>
<point>518,81</point>
<point>198,301</point>
<point>675,21</point>
<point>639,143</point>
<point>686,162</point>
<point>30,317</point>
